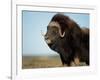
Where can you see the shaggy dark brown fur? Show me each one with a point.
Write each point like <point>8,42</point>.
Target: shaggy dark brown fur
<point>75,42</point>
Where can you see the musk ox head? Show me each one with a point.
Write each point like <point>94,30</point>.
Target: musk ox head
<point>54,33</point>
<point>59,26</point>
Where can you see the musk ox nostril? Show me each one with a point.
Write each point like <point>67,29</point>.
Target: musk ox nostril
<point>48,41</point>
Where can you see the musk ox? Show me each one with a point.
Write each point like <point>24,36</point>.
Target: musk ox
<point>69,40</point>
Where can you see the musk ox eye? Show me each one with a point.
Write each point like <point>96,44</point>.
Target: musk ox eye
<point>54,32</point>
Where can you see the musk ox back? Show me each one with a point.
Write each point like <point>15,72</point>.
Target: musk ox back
<point>67,38</point>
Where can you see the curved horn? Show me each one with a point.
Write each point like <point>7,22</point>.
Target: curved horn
<point>62,35</point>
<point>56,24</point>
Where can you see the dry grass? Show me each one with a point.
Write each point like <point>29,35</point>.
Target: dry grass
<point>40,62</point>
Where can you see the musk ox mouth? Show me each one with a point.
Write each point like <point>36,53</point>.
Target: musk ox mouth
<point>48,41</point>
